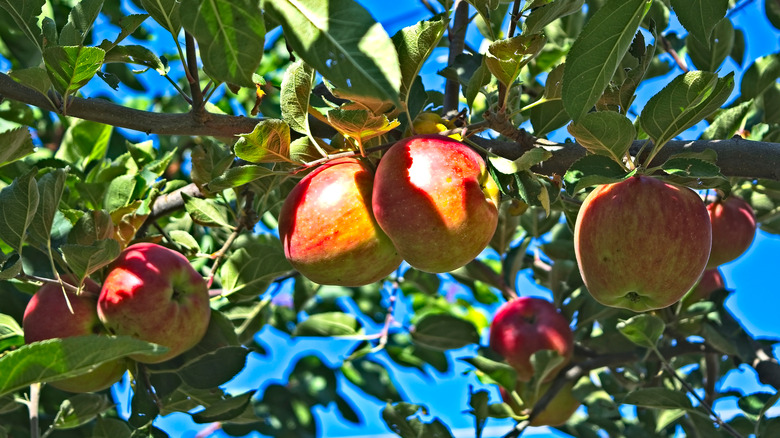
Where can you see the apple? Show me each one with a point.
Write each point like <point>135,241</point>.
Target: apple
<point>525,325</point>
<point>641,244</point>
<point>47,316</point>
<point>710,281</point>
<point>153,294</point>
<point>436,201</point>
<point>557,412</point>
<point>328,230</point>
<point>733,229</point>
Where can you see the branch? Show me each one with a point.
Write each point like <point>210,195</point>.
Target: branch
<point>457,37</point>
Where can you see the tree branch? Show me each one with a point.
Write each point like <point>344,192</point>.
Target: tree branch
<point>457,38</point>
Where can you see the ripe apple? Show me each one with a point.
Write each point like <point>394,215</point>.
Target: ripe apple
<point>557,412</point>
<point>525,325</point>
<point>47,316</point>
<point>328,230</point>
<point>733,229</point>
<point>436,201</point>
<point>710,281</point>
<point>153,293</point>
<point>641,244</point>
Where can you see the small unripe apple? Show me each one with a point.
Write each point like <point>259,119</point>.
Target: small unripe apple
<point>557,412</point>
<point>47,316</point>
<point>328,230</point>
<point>641,244</point>
<point>733,229</point>
<point>435,199</point>
<point>153,293</point>
<point>525,325</point>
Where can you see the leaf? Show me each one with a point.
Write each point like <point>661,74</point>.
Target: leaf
<point>372,378</point>
<point>643,329</point>
<point>50,189</point>
<point>80,409</point>
<point>135,54</point>
<point>491,371</point>
<point>120,192</point>
<point>165,12</point>
<point>111,427</point>
<point>17,144</point>
<point>341,40</point>
<point>711,55</point>
<point>224,410</point>
<point>19,201</point>
<point>598,51</point>
<point>269,142</point>
<point>755,404</point>
<point>772,9</point>
<point>11,334</point>
<point>253,271</point>
<point>699,17</point>
<point>547,13</point>
<point>505,58</point>
<point>128,24</point>
<point>297,86</point>
<point>530,158</point>
<point>238,176</point>
<point>727,122</point>
<point>691,167</point>
<point>548,116</point>
<point>71,67</point>
<point>215,368</point>
<point>84,142</point>
<point>689,98</point>
<point>230,35</point>
<point>762,74</point>
<point>397,417</point>
<point>206,212</point>
<point>360,124</point>
<point>57,359</point>
<point>328,324</point>
<point>592,170</point>
<point>80,21</point>
<point>33,77</point>
<point>84,260</point>
<point>605,133</point>
<point>25,14</point>
<point>444,332</point>
<point>414,44</point>
<point>658,398</point>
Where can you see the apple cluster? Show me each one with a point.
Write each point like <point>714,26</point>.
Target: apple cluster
<point>150,292</point>
<point>430,202</point>
<point>642,244</point>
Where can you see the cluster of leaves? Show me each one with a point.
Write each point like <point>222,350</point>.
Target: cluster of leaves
<point>73,204</point>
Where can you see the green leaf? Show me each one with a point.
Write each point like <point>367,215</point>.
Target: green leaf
<point>19,201</point>
<point>548,116</point>
<point>688,99</point>
<point>710,56</point>
<point>727,122</point>
<point>755,404</point>
<point>84,142</point>
<point>297,86</point>
<point>547,13</point>
<point>490,371</point>
<point>17,144</point>
<point>120,192</point>
<point>658,398</point>
<point>224,410</point>
<point>11,334</point>
<point>50,189</point>
<point>135,54</point>
<point>359,123</point>
<point>165,12</point>
<point>699,17</point>
<point>772,9</point>
<point>80,409</point>
<point>91,226</point>
<point>215,368</point>
<point>414,45</point>
<point>691,167</point>
<point>71,67</point>
<point>505,58</point>
<point>593,170</point>
<point>328,324</point>
<point>444,332</point>
<point>80,21</point>
<point>112,427</point>
<point>268,142</point>
<point>605,133</point>
<point>84,260</point>
<point>359,57</point>
<point>206,212</point>
<point>397,418</point>
<point>33,77</point>
<point>230,35</point>
<point>238,176</point>
<point>643,329</point>
<point>57,359</point>
<point>248,273</point>
<point>598,51</point>
<point>530,158</point>
<point>762,74</point>
<point>25,14</point>
<point>128,24</point>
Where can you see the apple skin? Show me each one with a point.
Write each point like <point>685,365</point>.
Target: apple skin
<point>710,281</point>
<point>328,230</point>
<point>641,244</point>
<point>47,316</point>
<point>733,229</point>
<point>153,293</point>
<point>436,201</point>
<point>556,413</point>
<point>525,325</point>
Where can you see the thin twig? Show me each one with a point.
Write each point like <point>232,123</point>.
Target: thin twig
<point>457,38</point>
<point>193,78</point>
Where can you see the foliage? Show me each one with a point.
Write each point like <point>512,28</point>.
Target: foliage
<point>328,80</point>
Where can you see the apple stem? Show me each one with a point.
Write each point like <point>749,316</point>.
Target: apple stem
<point>385,333</point>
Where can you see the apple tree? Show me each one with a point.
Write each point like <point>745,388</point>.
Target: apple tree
<point>187,124</point>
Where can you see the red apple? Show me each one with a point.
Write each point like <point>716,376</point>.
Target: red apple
<point>525,325</point>
<point>436,201</point>
<point>153,293</point>
<point>47,316</point>
<point>557,412</point>
<point>328,230</point>
<point>710,281</point>
<point>733,229</point>
<point>641,244</point>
